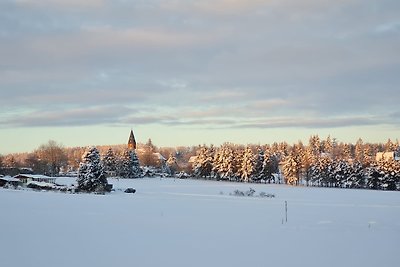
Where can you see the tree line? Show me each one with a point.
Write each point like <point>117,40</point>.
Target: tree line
<point>321,162</point>
<point>53,158</point>
<point>326,163</point>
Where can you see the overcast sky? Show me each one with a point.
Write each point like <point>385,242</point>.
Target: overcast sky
<point>188,72</point>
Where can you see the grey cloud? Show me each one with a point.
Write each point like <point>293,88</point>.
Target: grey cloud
<point>227,62</point>
<point>296,122</point>
<point>68,117</point>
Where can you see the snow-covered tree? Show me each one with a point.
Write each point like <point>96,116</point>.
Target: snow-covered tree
<point>291,170</point>
<point>389,175</point>
<point>320,170</point>
<point>110,162</point>
<point>202,166</point>
<point>225,163</point>
<point>269,167</point>
<point>314,146</point>
<point>129,165</point>
<point>258,167</point>
<point>390,146</point>
<point>359,152</point>
<point>307,160</point>
<point>339,171</point>
<point>327,145</point>
<point>374,177</point>
<point>247,166</point>
<point>91,176</point>
<point>172,165</point>
<point>355,179</point>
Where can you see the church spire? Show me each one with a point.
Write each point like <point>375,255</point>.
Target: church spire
<point>131,141</point>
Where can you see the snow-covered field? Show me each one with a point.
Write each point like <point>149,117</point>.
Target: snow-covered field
<point>171,222</point>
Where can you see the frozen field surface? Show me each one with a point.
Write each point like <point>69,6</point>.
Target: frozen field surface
<point>171,222</point>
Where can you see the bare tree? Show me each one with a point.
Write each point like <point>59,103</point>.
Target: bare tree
<point>148,157</point>
<point>53,156</point>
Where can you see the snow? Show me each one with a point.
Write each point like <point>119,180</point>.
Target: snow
<point>172,222</point>
<point>9,179</point>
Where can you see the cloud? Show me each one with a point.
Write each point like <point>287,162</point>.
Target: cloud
<point>61,3</point>
<point>67,118</point>
<point>390,27</point>
<point>222,63</point>
<point>315,123</point>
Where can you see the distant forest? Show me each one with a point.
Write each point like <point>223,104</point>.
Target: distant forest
<point>322,162</point>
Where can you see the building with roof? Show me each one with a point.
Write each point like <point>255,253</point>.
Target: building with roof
<point>26,178</point>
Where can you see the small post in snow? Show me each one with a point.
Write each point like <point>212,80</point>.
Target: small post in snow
<point>286,209</point>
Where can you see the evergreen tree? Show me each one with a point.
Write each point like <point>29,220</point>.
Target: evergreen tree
<point>293,165</point>
<point>202,166</point>
<point>390,172</point>
<point>225,163</point>
<point>320,171</point>
<point>172,165</point>
<point>374,177</point>
<point>359,151</point>
<point>129,165</point>
<point>314,145</point>
<point>355,179</point>
<point>110,162</point>
<point>327,145</point>
<point>136,170</point>
<point>91,176</point>
<point>390,146</point>
<point>340,171</point>
<point>269,167</point>
<point>306,162</point>
<point>346,154</point>
<point>259,163</point>
<point>247,166</point>
<point>291,170</point>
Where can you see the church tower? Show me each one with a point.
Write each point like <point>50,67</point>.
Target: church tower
<point>131,142</point>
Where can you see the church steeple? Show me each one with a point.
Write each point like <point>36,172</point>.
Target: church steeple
<point>131,141</point>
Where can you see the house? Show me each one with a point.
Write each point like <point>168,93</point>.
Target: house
<point>9,180</point>
<point>26,178</point>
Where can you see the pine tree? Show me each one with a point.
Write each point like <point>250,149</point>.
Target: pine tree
<point>320,171</point>
<point>247,167</point>
<point>356,176</point>
<point>327,145</point>
<point>314,145</point>
<point>374,177</point>
<point>110,162</point>
<point>390,146</point>
<point>129,165</point>
<point>136,170</point>
<point>340,171</point>
<point>269,167</point>
<point>203,164</point>
<point>359,151</point>
<point>291,170</point>
<point>307,161</point>
<point>259,163</point>
<point>390,171</point>
<point>172,165</point>
<point>91,176</point>
<point>225,163</point>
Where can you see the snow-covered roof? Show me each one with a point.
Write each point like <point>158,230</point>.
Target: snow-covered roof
<point>42,184</point>
<point>9,179</point>
<point>33,176</point>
